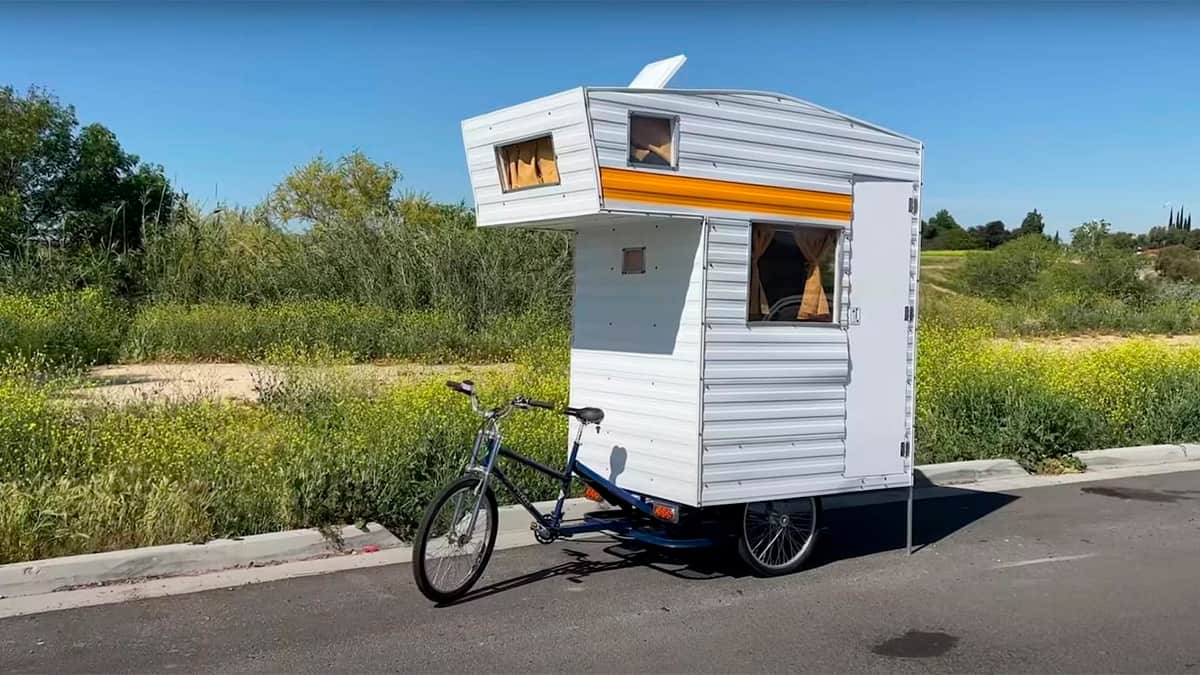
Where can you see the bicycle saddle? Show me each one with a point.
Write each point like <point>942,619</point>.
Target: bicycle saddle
<point>586,415</point>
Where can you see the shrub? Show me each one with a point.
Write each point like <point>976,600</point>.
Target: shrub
<point>988,399</point>
<point>419,256</point>
<point>1114,272</point>
<point>1010,268</point>
<point>1178,263</point>
<point>84,326</point>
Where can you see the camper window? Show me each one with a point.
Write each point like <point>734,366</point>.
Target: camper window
<point>792,273</point>
<point>528,163</point>
<point>653,140</point>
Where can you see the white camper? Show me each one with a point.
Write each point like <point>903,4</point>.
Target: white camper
<point>745,281</point>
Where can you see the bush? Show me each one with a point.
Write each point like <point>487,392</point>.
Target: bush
<point>956,239</point>
<point>1010,268</point>
<point>423,256</point>
<point>1114,272</point>
<point>83,326</point>
<point>235,332</point>
<point>1178,263</point>
<point>988,399</point>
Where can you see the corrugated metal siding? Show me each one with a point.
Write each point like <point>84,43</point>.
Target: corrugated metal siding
<point>564,116</point>
<point>754,138</point>
<point>636,354</point>
<point>774,395</point>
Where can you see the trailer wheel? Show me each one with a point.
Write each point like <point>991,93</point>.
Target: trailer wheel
<point>778,536</point>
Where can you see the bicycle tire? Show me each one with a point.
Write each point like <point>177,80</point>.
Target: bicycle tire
<point>428,583</point>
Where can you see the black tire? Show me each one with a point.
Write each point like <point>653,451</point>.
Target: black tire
<point>429,584</point>
<point>794,554</point>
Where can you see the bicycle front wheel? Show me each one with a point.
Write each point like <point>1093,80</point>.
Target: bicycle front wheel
<point>449,555</point>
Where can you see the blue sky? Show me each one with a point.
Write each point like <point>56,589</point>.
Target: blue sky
<point>1080,110</point>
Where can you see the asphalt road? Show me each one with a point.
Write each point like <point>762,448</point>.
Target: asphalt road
<point>1091,577</point>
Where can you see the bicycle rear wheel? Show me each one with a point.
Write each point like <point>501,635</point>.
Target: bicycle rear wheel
<point>448,559</point>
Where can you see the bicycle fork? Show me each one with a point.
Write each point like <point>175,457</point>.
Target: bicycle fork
<point>489,434</point>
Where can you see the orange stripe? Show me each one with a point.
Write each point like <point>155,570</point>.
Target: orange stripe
<point>658,188</point>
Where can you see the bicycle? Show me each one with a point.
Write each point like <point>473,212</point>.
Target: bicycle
<point>458,531</point>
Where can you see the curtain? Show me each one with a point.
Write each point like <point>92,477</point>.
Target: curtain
<point>530,163</point>
<point>526,165</point>
<point>547,166</point>
<point>760,240</point>
<point>650,140</point>
<point>814,244</point>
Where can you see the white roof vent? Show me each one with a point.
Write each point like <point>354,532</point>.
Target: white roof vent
<point>656,75</point>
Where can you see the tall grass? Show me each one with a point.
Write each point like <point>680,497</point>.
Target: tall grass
<point>428,256</point>
<point>77,479</point>
<point>233,332</point>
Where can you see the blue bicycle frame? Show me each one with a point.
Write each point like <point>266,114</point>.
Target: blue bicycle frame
<point>484,458</point>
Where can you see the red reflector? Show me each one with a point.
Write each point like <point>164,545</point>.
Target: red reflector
<point>666,512</point>
<point>590,493</point>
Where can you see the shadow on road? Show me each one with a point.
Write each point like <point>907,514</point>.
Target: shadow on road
<point>867,530</point>
<point>848,533</point>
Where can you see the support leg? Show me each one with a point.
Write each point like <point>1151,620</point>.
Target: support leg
<point>909,533</point>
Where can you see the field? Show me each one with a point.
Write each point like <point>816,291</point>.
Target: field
<point>185,414</point>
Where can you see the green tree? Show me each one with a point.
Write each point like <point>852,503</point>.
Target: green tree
<point>941,222</point>
<point>1032,224</point>
<point>36,149</point>
<point>67,187</point>
<point>352,190</point>
<point>109,195</point>
<point>1090,236</point>
<point>992,234</point>
<point>956,239</point>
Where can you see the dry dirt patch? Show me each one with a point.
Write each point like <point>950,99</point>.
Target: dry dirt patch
<point>1081,342</point>
<point>240,381</point>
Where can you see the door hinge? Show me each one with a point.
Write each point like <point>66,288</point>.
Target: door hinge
<point>912,205</point>
<point>908,313</point>
<point>904,448</point>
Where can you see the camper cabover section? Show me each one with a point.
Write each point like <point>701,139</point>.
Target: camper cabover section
<point>533,162</point>
<point>738,154</point>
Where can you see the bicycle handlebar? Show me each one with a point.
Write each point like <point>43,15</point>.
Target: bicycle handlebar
<point>533,403</point>
<point>468,387</point>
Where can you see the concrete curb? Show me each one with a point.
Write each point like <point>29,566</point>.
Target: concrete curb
<point>1137,456</point>
<point>971,471</point>
<point>55,574</point>
<point>44,576</point>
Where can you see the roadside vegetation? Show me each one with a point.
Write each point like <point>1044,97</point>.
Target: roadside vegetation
<point>337,266</point>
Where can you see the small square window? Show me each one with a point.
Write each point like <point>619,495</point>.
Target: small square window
<point>792,273</point>
<point>529,163</point>
<point>633,260</point>
<point>653,141</point>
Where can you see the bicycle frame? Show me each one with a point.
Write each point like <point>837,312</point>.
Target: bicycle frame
<point>488,449</point>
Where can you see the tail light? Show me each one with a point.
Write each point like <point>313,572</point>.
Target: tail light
<point>667,512</point>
